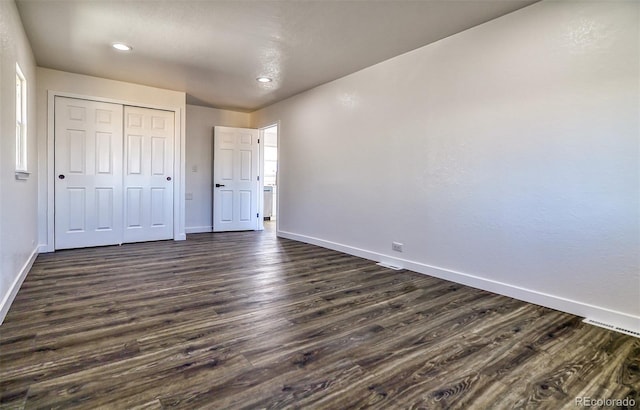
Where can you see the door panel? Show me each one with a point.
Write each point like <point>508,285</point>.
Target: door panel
<point>88,173</point>
<point>77,206</point>
<point>148,180</point>
<point>77,151</point>
<point>226,165</point>
<point>226,205</point>
<point>104,199</point>
<point>245,205</point>
<point>134,157</point>
<point>134,207</point>
<point>104,153</point>
<point>158,157</point>
<point>235,170</point>
<point>246,163</point>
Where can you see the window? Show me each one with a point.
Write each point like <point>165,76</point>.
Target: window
<point>21,124</point>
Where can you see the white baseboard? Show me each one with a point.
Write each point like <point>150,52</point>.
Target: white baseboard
<point>575,307</point>
<point>198,229</point>
<point>7,300</point>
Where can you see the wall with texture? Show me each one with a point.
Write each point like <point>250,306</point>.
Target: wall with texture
<point>505,157</point>
<point>18,198</point>
<point>199,170</point>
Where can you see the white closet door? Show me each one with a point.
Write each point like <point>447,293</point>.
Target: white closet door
<point>148,179</point>
<point>88,173</point>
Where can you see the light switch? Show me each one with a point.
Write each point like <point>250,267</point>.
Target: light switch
<point>189,196</point>
<point>194,168</point>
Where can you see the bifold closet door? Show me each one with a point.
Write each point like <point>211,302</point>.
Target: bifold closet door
<point>88,173</point>
<point>148,177</point>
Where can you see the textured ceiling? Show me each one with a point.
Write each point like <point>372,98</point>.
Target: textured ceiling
<point>214,50</point>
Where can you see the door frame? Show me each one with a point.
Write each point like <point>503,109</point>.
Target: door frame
<point>178,162</point>
<point>261,186</point>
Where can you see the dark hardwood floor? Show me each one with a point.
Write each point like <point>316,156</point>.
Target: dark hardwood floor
<point>246,320</point>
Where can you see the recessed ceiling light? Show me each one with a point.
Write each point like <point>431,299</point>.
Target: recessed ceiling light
<point>264,79</point>
<point>121,47</point>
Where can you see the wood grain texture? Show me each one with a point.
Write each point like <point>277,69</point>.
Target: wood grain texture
<point>248,320</point>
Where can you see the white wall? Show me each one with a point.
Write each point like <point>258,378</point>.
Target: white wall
<point>199,170</point>
<point>18,198</point>
<point>504,157</point>
<point>53,81</point>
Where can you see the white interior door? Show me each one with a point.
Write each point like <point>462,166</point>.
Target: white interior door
<point>88,173</point>
<point>148,179</point>
<point>235,179</point>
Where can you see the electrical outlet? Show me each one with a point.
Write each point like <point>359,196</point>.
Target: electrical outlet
<point>396,246</point>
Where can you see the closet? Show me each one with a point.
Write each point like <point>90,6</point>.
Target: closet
<point>113,173</point>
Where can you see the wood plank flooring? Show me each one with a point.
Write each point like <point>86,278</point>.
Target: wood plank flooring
<point>246,320</point>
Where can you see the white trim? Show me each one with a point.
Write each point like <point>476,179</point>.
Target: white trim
<point>261,148</point>
<point>598,313</point>
<point>198,229</point>
<point>179,161</point>
<point>22,151</point>
<point>15,286</point>
<point>260,226</point>
<point>50,178</point>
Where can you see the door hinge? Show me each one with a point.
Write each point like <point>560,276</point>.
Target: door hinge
<point>258,177</point>
<point>258,140</point>
<point>257,215</point>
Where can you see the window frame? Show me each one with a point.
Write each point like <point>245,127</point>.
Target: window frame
<point>22,168</point>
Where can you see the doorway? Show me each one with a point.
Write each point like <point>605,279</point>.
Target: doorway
<point>270,173</point>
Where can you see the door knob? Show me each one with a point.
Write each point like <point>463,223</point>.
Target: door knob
<point>168,178</point>
<point>219,185</point>
<point>61,176</point>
